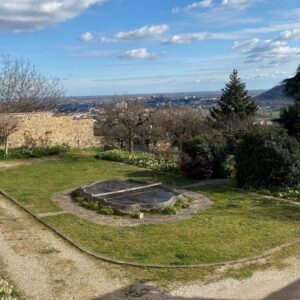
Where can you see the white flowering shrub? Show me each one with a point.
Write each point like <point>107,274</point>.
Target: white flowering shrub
<point>6,291</point>
<point>289,193</point>
<point>292,194</point>
<point>141,159</point>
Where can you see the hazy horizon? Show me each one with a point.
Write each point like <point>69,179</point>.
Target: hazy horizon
<point>107,47</point>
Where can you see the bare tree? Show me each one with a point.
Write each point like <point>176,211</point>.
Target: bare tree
<point>179,123</point>
<point>128,117</point>
<point>23,89</point>
<point>8,125</point>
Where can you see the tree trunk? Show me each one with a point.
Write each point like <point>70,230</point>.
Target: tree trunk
<point>130,143</point>
<point>5,146</point>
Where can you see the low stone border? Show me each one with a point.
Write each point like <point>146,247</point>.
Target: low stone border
<point>64,201</point>
<point>248,260</point>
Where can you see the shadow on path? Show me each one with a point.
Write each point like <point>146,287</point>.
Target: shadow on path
<point>144,292</point>
<point>290,292</point>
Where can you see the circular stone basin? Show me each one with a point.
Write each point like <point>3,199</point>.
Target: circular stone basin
<point>128,196</point>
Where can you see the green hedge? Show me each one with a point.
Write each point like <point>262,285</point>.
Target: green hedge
<point>267,158</point>
<point>140,159</point>
<point>21,153</point>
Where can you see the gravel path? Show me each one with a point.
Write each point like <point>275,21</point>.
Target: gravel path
<point>270,285</point>
<point>43,266</point>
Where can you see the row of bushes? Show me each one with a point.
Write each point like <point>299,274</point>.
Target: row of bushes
<point>265,157</point>
<point>140,159</point>
<point>23,153</point>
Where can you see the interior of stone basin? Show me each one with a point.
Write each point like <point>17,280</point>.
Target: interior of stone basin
<point>129,195</point>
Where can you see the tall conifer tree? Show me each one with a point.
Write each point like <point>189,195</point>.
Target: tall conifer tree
<point>235,110</point>
<point>235,102</point>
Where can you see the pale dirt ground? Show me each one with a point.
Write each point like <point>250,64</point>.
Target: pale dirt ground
<point>43,267</point>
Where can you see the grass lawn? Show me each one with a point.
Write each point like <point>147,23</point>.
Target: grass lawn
<point>239,225</point>
<point>33,185</point>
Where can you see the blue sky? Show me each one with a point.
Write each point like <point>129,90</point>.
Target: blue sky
<point>143,46</point>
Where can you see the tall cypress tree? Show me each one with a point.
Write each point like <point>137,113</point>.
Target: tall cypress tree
<point>235,103</point>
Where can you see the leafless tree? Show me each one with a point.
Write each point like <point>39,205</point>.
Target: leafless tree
<point>8,125</point>
<point>127,118</point>
<point>23,89</point>
<point>179,123</point>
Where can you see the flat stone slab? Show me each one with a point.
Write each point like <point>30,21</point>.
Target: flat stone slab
<point>65,202</point>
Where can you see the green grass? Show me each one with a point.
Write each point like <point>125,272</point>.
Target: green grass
<point>239,225</point>
<point>34,185</point>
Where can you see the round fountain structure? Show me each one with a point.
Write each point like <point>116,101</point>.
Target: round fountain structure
<point>127,196</point>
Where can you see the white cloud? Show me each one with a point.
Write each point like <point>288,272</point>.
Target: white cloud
<point>269,51</point>
<point>290,34</point>
<point>238,4</point>
<point>193,6</point>
<point>87,37</point>
<point>146,32</point>
<point>140,53</point>
<point>187,38</point>
<point>28,15</point>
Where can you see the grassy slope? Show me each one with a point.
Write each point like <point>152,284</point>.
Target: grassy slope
<point>239,225</point>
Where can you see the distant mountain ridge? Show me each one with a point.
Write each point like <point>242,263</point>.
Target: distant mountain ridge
<point>276,93</point>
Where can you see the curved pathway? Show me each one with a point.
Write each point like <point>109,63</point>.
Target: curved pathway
<point>43,266</point>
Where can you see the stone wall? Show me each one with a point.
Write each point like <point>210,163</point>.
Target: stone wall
<point>45,128</point>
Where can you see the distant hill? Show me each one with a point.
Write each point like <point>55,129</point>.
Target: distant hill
<point>276,93</point>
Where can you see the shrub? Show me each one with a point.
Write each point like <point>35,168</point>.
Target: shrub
<point>172,210</point>
<point>267,157</point>
<point>24,152</point>
<point>202,156</point>
<point>105,211</point>
<point>141,159</point>
<point>7,291</point>
<point>229,166</point>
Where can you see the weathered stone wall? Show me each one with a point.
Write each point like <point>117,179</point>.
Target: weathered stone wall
<point>45,128</point>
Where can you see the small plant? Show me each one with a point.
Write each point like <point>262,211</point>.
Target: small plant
<point>181,204</point>
<point>6,291</point>
<point>135,215</point>
<point>140,159</point>
<point>105,211</point>
<point>93,205</point>
<point>172,210</point>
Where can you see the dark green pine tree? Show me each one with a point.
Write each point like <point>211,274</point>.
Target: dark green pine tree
<point>235,103</point>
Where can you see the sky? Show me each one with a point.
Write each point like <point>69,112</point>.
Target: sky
<point>103,47</point>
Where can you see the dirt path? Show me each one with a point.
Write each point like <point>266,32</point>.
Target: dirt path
<point>43,266</point>
<point>269,285</point>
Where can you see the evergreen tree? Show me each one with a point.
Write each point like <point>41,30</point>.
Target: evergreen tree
<point>235,110</point>
<point>235,102</point>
